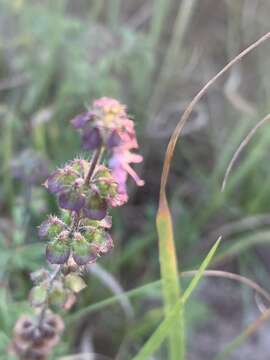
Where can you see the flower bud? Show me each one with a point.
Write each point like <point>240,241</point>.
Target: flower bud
<point>51,227</point>
<point>58,251</point>
<point>38,295</point>
<point>57,295</point>
<point>100,240</point>
<point>82,251</point>
<point>75,283</point>
<point>95,207</point>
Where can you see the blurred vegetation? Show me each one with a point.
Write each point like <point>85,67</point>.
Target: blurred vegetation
<point>55,58</point>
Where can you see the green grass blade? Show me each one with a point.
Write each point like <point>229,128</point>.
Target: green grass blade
<point>167,324</point>
<point>194,282</point>
<point>158,20</point>
<point>170,280</point>
<point>7,149</point>
<point>242,244</point>
<point>112,300</point>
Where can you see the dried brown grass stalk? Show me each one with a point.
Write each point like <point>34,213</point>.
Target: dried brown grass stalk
<point>243,144</point>
<point>232,276</point>
<point>189,109</point>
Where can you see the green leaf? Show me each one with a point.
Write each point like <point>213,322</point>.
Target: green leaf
<point>167,324</point>
<point>170,279</point>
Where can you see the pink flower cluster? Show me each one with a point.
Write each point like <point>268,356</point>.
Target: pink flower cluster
<point>107,124</point>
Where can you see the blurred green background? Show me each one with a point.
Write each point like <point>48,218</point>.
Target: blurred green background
<point>154,55</point>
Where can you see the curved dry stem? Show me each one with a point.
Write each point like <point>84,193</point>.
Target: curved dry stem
<point>249,330</point>
<point>243,144</point>
<point>232,276</point>
<point>189,109</point>
<point>133,293</point>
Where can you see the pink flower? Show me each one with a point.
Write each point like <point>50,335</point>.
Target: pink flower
<point>119,163</point>
<point>107,124</point>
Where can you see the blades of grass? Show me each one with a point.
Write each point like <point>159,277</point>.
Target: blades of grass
<point>170,281</point>
<point>160,10</point>
<point>240,148</point>
<point>112,300</point>
<point>243,244</point>
<point>178,130</point>
<point>137,245</point>
<point>183,17</point>
<point>96,9</point>
<point>151,286</point>
<point>154,342</point>
<point>7,151</point>
<point>113,8</point>
<point>111,283</point>
<point>257,203</point>
<point>247,166</point>
<point>244,335</point>
<point>198,274</point>
<point>184,118</point>
<point>168,260</point>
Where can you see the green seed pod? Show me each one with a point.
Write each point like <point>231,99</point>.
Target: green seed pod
<point>75,283</point>
<point>38,295</point>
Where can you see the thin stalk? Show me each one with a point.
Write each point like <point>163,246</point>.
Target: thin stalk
<point>93,164</point>
<point>244,335</point>
<point>240,148</point>
<point>42,313</point>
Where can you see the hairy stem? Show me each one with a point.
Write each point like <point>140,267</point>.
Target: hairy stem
<point>93,164</point>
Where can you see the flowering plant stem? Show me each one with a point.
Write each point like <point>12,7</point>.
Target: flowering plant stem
<point>93,164</point>
<point>85,191</point>
<point>53,277</point>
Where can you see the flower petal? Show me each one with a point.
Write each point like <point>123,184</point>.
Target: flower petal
<point>114,139</point>
<point>80,120</point>
<point>91,139</point>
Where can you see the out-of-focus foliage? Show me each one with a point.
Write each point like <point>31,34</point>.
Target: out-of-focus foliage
<point>55,58</point>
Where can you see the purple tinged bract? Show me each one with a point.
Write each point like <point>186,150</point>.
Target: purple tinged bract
<point>91,139</point>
